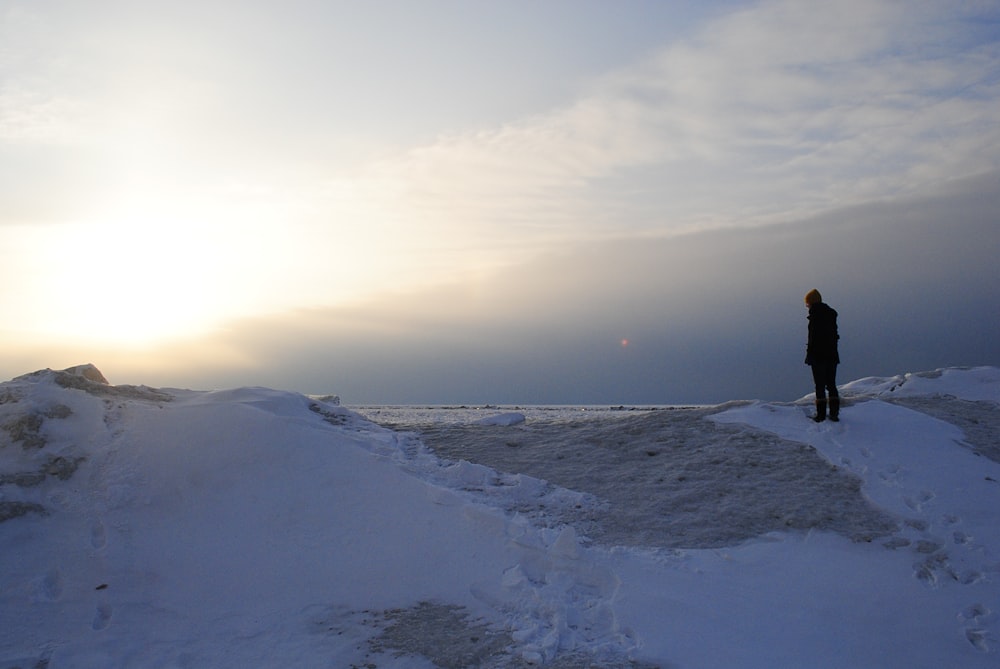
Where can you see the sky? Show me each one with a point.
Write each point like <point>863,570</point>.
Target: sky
<point>485,202</point>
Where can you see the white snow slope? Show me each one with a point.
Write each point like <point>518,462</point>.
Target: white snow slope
<point>258,528</point>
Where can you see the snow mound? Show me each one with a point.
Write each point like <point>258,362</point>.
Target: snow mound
<point>179,527</point>
<point>503,420</point>
<point>971,383</point>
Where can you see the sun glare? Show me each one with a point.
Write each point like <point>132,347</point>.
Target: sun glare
<point>136,280</point>
<point>132,281</point>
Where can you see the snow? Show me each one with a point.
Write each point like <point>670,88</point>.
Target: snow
<point>503,419</point>
<point>251,527</point>
<point>978,383</point>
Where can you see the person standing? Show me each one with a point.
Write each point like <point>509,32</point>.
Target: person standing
<point>822,355</point>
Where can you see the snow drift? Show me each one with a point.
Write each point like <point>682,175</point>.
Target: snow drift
<point>252,527</point>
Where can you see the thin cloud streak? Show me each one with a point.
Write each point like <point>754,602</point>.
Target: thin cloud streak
<point>775,113</point>
<point>741,125</point>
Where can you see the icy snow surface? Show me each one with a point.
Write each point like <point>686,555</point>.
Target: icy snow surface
<point>254,528</point>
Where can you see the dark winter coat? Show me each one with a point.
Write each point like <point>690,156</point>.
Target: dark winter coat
<point>822,344</point>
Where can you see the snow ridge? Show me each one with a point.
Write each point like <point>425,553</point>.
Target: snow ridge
<point>132,470</point>
<point>921,469</point>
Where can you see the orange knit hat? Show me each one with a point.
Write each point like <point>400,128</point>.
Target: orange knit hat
<point>813,296</point>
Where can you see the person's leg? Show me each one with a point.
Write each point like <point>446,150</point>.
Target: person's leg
<point>819,381</point>
<point>831,387</point>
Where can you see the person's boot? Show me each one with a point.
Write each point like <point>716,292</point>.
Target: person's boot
<point>820,411</point>
<point>835,409</point>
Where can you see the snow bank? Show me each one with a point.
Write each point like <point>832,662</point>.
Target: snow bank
<point>918,467</point>
<point>503,420</point>
<point>220,528</point>
<point>973,384</point>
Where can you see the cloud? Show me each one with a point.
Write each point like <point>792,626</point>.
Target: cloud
<point>710,316</point>
<point>778,111</point>
<point>773,113</point>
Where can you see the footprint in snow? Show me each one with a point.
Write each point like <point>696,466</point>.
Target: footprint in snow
<point>896,542</point>
<point>977,636</point>
<point>98,535</point>
<point>102,617</point>
<point>970,576</point>
<point>961,538</point>
<point>890,474</point>
<point>917,501</point>
<point>50,586</point>
<point>974,611</point>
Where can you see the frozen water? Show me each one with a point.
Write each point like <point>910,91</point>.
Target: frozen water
<point>659,475</point>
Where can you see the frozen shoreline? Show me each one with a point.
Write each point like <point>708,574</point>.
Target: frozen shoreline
<point>253,527</point>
